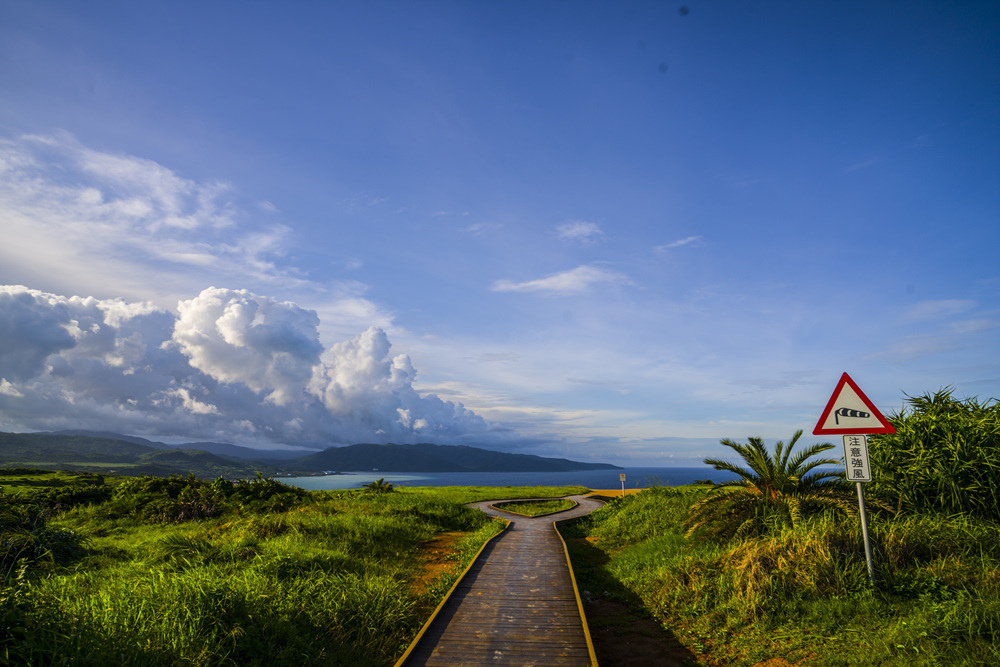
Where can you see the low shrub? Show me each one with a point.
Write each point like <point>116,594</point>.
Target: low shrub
<point>59,499</point>
<point>28,542</point>
<point>176,499</point>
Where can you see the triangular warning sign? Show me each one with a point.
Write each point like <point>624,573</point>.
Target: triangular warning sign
<point>849,411</point>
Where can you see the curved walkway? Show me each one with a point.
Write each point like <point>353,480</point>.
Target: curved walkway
<point>517,605</point>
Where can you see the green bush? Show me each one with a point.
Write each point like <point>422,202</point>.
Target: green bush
<point>59,499</point>
<point>175,499</point>
<point>261,494</point>
<point>944,457</point>
<point>27,541</point>
<point>774,491</point>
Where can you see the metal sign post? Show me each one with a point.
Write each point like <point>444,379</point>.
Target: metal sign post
<point>864,531</point>
<point>850,413</point>
<point>858,471</point>
<point>621,476</point>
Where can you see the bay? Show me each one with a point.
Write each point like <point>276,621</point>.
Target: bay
<point>635,478</point>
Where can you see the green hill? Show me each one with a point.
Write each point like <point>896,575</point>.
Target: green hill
<point>105,454</point>
<point>426,457</point>
<point>38,448</point>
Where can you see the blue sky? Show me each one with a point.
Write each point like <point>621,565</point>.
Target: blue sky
<point>603,231</point>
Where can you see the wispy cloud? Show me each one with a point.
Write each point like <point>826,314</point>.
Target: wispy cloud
<point>9,389</point>
<point>611,385</point>
<point>677,244</point>
<point>933,310</point>
<point>86,219</point>
<point>483,228</point>
<point>363,199</point>
<point>574,281</point>
<point>78,221</point>
<point>863,164</point>
<point>494,357</point>
<point>580,232</point>
<point>911,348</point>
<point>974,326</point>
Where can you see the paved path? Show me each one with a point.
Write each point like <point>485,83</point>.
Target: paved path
<point>516,606</point>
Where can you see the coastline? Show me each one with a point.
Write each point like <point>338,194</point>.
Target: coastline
<point>635,478</point>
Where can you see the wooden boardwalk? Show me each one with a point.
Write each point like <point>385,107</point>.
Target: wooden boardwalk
<point>517,605</point>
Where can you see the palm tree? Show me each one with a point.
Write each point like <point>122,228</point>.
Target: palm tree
<point>380,486</point>
<point>772,491</point>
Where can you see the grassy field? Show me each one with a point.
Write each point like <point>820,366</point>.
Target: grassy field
<point>800,595</point>
<point>537,507</point>
<point>150,571</point>
<point>17,481</point>
<point>472,494</point>
<point>183,572</point>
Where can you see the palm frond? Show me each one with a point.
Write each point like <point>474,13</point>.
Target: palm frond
<point>800,458</point>
<point>726,466</point>
<point>774,489</point>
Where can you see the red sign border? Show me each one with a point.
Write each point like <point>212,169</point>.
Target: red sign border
<point>846,379</point>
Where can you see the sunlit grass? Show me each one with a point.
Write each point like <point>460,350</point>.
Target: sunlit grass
<point>16,481</point>
<point>223,613</point>
<point>471,494</point>
<point>330,581</point>
<point>537,507</point>
<point>803,594</point>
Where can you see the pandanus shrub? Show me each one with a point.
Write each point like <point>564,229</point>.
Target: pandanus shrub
<point>944,457</point>
<point>774,490</point>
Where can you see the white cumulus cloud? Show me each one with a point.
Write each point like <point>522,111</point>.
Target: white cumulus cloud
<point>229,365</point>
<point>236,336</point>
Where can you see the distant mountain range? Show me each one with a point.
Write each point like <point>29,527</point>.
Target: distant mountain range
<point>219,448</point>
<point>110,453</point>
<point>130,455</point>
<point>426,457</point>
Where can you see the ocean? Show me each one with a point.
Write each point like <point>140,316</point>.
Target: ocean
<point>635,478</point>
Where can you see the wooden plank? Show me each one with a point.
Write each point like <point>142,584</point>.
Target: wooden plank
<point>516,606</point>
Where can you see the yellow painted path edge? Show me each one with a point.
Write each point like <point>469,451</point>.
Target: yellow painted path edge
<point>576,592</point>
<point>416,640</point>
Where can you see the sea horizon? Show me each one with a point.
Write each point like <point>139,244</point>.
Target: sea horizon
<point>640,477</point>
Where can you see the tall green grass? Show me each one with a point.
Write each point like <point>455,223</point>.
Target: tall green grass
<point>944,457</point>
<point>219,614</point>
<point>327,579</point>
<point>803,594</point>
